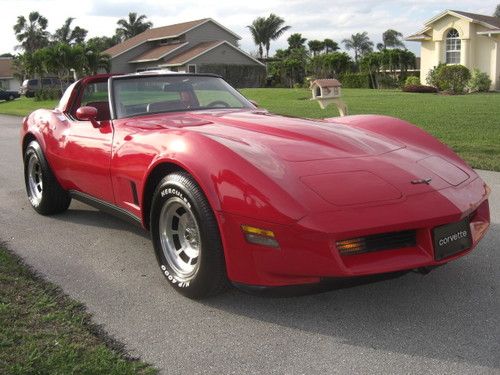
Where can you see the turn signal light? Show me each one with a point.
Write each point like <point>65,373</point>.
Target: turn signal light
<point>259,236</point>
<point>351,246</point>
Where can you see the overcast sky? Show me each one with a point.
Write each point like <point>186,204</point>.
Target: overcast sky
<point>316,19</point>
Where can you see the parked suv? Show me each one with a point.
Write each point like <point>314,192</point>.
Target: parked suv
<point>31,86</point>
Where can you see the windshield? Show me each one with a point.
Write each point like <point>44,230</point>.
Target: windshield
<point>141,95</point>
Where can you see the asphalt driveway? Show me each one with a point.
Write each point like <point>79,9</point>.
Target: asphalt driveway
<point>444,322</point>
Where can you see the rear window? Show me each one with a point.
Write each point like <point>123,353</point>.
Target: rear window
<point>33,82</point>
<point>46,81</point>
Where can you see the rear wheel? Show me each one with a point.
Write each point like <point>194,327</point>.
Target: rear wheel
<point>186,238</point>
<point>11,97</point>
<point>44,192</point>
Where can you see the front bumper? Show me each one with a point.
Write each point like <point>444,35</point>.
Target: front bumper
<point>308,252</point>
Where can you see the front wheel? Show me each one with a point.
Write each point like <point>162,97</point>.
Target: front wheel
<point>44,192</point>
<point>186,238</point>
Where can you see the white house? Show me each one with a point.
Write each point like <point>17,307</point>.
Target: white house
<point>456,37</point>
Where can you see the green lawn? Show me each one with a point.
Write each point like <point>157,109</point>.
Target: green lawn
<point>42,331</point>
<point>470,124</point>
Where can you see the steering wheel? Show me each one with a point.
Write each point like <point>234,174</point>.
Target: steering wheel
<point>218,103</point>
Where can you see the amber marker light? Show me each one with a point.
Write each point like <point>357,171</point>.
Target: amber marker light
<point>259,236</point>
<point>351,246</point>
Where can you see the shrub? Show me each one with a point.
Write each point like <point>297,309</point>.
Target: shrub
<point>355,80</point>
<point>420,88</point>
<point>432,78</point>
<point>385,81</point>
<point>479,81</point>
<point>47,94</point>
<point>412,81</point>
<point>453,78</point>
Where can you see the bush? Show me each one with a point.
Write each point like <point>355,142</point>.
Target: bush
<point>238,76</point>
<point>47,94</point>
<point>453,78</point>
<point>385,81</point>
<point>479,81</point>
<point>420,88</point>
<point>412,81</point>
<point>432,78</point>
<point>355,80</point>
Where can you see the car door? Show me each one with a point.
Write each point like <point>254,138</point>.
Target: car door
<point>86,151</point>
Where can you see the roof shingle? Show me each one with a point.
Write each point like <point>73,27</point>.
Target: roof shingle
<point>493,21</point>
<point>156,53</point>
<point>191,53</point>
<point>156,33</point>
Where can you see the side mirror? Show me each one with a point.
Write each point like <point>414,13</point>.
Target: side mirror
<point>254,102</point>
<point>88,114</point>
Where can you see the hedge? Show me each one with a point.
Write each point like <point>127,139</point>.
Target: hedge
<point>420,88</point>
<point>355,80</point>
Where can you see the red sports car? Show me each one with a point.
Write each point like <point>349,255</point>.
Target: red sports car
<point>234,194</point>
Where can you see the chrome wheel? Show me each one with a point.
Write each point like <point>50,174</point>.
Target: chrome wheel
<point>35,182</point>
<point>180,237</point>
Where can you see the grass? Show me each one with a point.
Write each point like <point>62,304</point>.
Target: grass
<point>470,124</point>
<point>42,331</point>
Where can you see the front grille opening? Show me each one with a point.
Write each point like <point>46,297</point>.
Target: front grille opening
<point>377,242</point>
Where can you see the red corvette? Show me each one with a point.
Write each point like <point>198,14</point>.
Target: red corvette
<point>232,193</point>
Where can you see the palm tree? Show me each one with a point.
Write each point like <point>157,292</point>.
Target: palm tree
<point>295,41</point>
<point>95,61</point>
<point>497,11</point>
<point>258,30</point>
<point>392,38</point>
<point>69,36</point>
<point>316,46</point>
<point>330,45</point>
<point>133,26</point>
<point>264,30</point>
<point>274,29</point>
<point>32,33</point>
<point>360,43</point>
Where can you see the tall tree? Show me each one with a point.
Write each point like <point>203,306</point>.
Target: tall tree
<point>497,11</point>
<point>258,31</point>
<point>330,45</point>
<point>265,30</point>
<point>102,43</point>
<point>68,35</point>
<point>392,39</point>
<point>295,41</point>
<point>32,32</point>
<point>132,26</point>
<point>360,43</point>
<point>275,27</point>
<point>95,61</point>
<point>316,46</point>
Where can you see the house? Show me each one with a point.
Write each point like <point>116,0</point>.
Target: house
<point>201,46</point>
<point>456,37</point>
<point>7,79</point>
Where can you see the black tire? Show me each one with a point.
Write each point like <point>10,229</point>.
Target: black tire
<point>11,97</point>
<point>208,276</point>
<point>45,194</point>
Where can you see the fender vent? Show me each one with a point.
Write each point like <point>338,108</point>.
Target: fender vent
<point>377,242</point>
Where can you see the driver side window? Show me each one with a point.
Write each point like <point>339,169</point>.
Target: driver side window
<point>96,95</point>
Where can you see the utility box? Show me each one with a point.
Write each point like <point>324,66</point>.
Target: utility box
<point>327,91</point>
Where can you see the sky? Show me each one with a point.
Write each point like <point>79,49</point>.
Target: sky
<point>318,19</point>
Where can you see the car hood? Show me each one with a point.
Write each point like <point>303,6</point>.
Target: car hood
<point>289,139</point>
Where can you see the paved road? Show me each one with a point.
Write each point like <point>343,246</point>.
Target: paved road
<point>445,322</point>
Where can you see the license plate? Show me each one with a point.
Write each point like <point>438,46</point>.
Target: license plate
<point>451,238</point>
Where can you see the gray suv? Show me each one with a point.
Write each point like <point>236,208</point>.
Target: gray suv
<point>31,86</point>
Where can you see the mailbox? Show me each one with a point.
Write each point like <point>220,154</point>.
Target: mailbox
<point>327,91</point>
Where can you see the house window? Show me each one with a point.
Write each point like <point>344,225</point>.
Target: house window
<point>192,68</point>
<point>453,45</point>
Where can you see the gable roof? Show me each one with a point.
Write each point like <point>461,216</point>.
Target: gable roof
<point>169,31</point>
<point>488,21</point>
<point>6,67</point>
<point>157,53</point>
<point>200,49</point>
